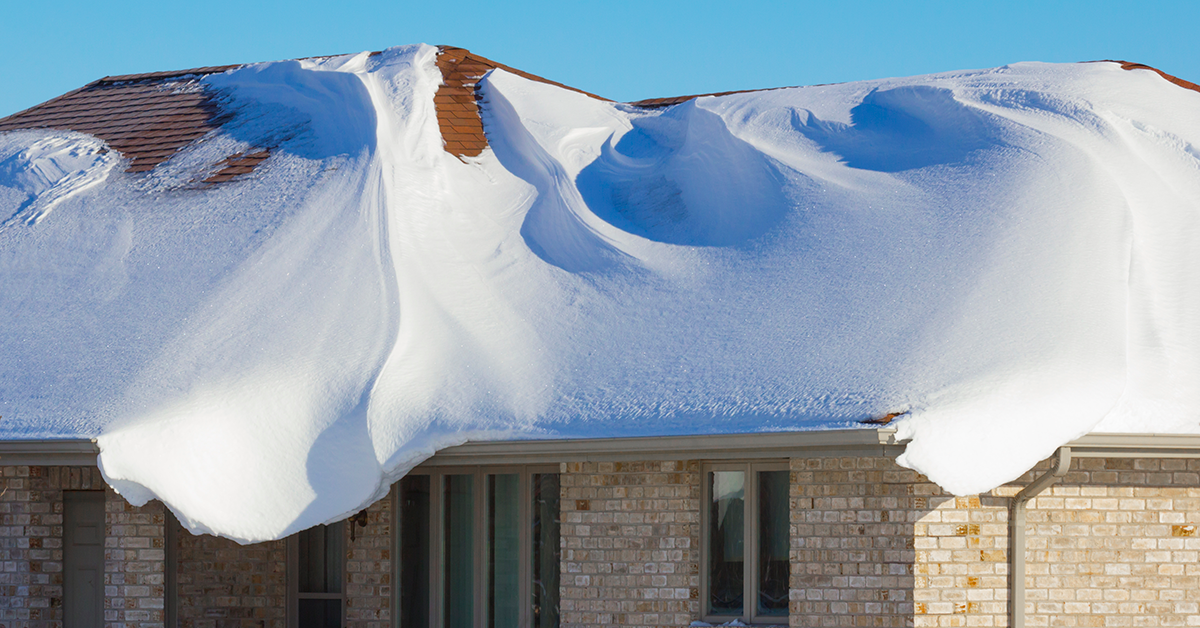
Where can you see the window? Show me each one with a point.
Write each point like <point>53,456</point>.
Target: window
<point>745,542</point>
<point>478,547</point>
<point>316,575</point>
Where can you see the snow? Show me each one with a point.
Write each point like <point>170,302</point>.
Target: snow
<point>51,170</point>
<point>1001,253</point>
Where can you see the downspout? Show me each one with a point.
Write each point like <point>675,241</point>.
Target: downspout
<point>1016,536</point>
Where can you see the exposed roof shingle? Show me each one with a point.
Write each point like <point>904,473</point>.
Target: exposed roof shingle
<point>455,101</point>
<point>147,117</point>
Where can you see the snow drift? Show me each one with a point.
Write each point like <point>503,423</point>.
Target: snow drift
<point>1004,254</point>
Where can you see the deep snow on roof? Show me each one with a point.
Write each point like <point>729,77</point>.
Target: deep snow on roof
<point>1005,254</point>
<point>149,117</point>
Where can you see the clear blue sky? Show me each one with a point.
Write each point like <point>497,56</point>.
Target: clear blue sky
<point>622,49</point>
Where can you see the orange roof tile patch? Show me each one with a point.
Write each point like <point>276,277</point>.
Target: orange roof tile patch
<point>238,164</point>
<point>1128,65</point>
<point>455,101</point>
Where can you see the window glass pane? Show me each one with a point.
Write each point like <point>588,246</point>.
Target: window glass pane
<point>320,613</point>
<point>503,550</point>
<point>546,550</point>
<point>726,537</point>
<point>459,584</point>
<point>414,551</point>
<point>322,552</point>
<point>773,543</point>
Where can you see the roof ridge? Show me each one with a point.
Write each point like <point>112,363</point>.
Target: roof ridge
<point>1132,65</point>
<point>151,76</point>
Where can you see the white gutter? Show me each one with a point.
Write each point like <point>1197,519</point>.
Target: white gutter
<point>1090,446</point>
<point>1016,536</point>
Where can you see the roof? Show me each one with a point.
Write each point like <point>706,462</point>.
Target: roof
<point>149,117</point>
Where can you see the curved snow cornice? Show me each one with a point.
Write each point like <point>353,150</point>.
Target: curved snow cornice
<point>280,291</point>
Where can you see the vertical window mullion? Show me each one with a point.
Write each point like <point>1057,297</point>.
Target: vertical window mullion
<point>750,578</point>
<point>479,585</point>
<point>525,545</point>
<point>437,550</point>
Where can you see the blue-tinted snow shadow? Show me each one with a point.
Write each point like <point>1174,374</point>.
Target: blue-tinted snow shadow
<point>681,177</point>
<point>342,468</point>
<point>311,113</point>
<point>555,226</point>
<point>902,129</point>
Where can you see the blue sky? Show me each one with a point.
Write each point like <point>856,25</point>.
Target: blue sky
<point>621,49</point>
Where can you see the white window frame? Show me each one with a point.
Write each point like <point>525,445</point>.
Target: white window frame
<point>750,541</point>
<point>437,544</point>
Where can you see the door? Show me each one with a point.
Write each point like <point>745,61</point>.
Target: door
<point>83,559</point>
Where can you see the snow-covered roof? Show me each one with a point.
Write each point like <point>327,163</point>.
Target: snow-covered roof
<point>266,317</point>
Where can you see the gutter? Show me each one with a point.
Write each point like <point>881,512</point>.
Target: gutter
<point>1089,446</point>
<point>1016,534</point>
<point>68,452</point>
<point>754,445</point>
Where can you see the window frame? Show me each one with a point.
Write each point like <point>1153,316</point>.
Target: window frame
<point>437,546</point>
<point>750,540</point>
<point>293,577</point>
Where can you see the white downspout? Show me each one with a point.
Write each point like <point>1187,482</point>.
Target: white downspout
<point>1016,536</point>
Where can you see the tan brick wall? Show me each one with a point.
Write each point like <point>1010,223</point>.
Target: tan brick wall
<point>134,564</point>
<point>852,547</point>
<point>369,570</point>
<point>630,539</point>
<point>961,561</point>
<point>31,518</point>
<point>1116,543</point>
<point>225,585</point>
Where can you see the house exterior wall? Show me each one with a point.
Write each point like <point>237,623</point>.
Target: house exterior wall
<point>630,539</point>
<point>31,550</point>
<point>1116,542</point>
<point>369,570</point>
<point>31,518</point>
<point>875,544</point>
<point>134,564</point>
<point>225,585</point>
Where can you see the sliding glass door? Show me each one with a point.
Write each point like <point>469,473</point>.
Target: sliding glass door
<point>478,547</point>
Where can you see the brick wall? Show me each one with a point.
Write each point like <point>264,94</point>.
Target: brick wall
<point>134,564</point>
<point>852,553</point>
<point>31,518</point>
<point>961,561</point>
<point>226,585</point>
<point>1116,543</point>
<point>630,539</point>
<point>369,570</point>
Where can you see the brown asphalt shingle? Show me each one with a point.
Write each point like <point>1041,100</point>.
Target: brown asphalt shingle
<point>455,100</point>
<point>149,117</point>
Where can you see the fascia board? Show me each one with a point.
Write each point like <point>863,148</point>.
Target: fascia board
<point>49,452</point>
<point>854,442</point>
<point>1112,445</point>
